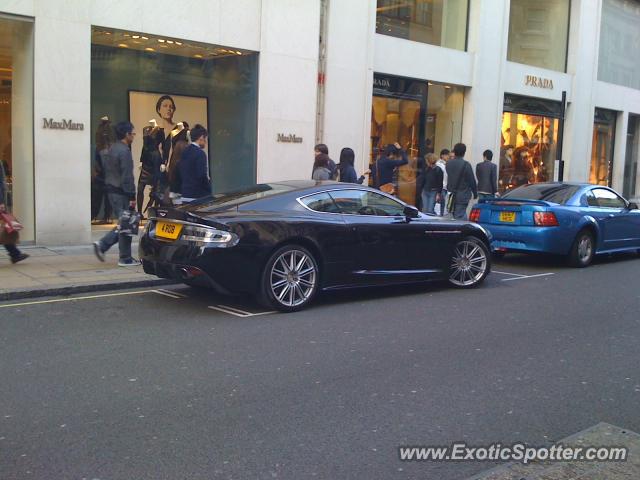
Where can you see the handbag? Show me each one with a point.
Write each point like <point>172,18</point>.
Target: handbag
<point>10,223</point>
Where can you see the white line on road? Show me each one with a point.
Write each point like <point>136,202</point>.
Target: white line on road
<point>168,293</point>
<point>88,297</point>
<point>236,311</point>
<point>508,273</point>
<point>527,276</point>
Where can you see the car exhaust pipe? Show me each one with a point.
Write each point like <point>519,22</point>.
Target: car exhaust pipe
<point>188,273</point>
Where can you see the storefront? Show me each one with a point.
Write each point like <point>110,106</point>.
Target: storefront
<point>423,117</point>
<point>604,134</point>
<point>529,141</point>
<point>165,86</point>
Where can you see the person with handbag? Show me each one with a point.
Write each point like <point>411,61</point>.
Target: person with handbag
<point>461,183</point>
<point>393,157</point>
<point>8,236</point>
<point>121,191</point>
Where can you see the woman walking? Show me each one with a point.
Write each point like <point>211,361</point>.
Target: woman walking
<point>433,179</point>
<point>321,169</point>
<point>15,254</point>
<point>347,170</point>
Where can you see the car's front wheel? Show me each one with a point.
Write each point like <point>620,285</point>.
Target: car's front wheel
<point>290,279</point>
<point>470,263</point>
<point>582,250</point>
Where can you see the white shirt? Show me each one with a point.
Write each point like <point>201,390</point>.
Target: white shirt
<point>443,167</point>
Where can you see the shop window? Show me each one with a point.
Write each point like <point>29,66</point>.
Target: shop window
<point>528,149</point>
<point>165,86</point>
<point>604,128</point>
<point>538,33</point>
<point>619,35</point>
<point>632,157</point>
<point>423,117</point>
<point>16,120</point>
<point>437,22</point>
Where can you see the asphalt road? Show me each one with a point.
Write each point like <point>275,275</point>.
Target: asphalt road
<point>160,386</point>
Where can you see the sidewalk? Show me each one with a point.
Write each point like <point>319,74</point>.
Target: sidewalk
<point>65,270</point>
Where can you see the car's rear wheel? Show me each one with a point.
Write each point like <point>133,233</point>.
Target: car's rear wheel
<point>470,263</point>
<point>582,250</point>
<point>290,279</point>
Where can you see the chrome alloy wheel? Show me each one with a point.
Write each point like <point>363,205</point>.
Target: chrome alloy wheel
<point>293,278</point>
<point>469,264</point>
<point>585,249</point>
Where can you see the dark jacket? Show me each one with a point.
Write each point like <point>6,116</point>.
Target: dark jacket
<point>385,167</point>
<point>118,170</point>
<point>461,180</point>
<point>487,173</point>
<point>433,179</point>
<point>194,173</point>
<point>348,175</point>
<point>3,184</point>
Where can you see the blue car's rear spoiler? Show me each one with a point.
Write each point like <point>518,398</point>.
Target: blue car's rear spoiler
<point>515,201</point>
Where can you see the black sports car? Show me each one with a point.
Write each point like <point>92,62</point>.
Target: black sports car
<point>285,241</point>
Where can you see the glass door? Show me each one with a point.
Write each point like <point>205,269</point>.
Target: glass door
<point>604,127</point>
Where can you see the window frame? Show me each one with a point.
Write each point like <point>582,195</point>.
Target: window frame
<point>594,192</point>
<point>365,190</point>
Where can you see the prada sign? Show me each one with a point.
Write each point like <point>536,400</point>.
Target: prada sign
<point>538,82</point>
<point>63,125</point>
<point>282,138</point>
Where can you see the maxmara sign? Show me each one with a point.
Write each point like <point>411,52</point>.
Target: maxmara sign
<point>291,138</point>
<point>539,82</point>
<point>63,125</point>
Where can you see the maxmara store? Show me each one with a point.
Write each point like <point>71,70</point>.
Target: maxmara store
<point>552,87</point>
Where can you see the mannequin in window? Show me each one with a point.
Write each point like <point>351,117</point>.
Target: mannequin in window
<point>99,200</point>
<point>151,139</point>
<point>165,108</point>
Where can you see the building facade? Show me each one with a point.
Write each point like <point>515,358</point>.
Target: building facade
<point>270,78</point>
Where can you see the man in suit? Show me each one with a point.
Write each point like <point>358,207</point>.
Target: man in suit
<point>193,166</point>
<point>461,181</point>
<point>487,174</point>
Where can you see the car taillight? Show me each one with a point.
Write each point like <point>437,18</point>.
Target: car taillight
<point>545,219</point>
<point>474,216</point>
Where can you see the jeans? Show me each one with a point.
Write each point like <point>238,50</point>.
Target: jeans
<point>12,250</point>
<point>429,201</point>
<point>485,195</point>
<point>443,202</point>
<point>118,203</point>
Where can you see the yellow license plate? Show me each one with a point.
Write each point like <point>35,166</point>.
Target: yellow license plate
<point>168,230</point>
<point>509,217</point>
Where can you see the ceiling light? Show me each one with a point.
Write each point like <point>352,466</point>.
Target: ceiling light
<point>136,36</point>
<point>160,40</point>
<point>149,49</point>
<point>447,86</point>
<point>145,38</point>
<point>430,83</point>
<point>178,43</point>
<point>123,45</point>
<point>197,55</point>
<point>239,53</point>
<point>169,41</point>
<point>127,35</point>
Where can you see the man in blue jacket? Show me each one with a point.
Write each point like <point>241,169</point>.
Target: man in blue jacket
<point>193,167</point>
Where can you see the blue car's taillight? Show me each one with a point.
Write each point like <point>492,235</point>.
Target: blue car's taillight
<point>545,219</point>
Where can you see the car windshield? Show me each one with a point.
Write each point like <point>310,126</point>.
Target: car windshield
<point>548,192</point>
<point>223,201</point>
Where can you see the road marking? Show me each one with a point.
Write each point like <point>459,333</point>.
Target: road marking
<point>169,293</point>
<point>236,311</point>
<point>527,276</point>
<point>88,297</point>
<point>508,273</point>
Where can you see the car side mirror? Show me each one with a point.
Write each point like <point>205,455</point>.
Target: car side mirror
<point>411,212</point>
<point>632,206</point>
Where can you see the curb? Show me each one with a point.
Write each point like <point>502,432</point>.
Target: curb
<point>71,289</point>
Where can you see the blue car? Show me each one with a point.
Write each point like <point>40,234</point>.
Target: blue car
<point>576,220</point>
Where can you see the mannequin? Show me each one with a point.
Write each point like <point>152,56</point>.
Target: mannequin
<point>99,201</point>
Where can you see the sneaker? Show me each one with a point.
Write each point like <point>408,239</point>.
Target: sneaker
<point>129,262</point>
<point>97,249</point>
<point>19,258</point>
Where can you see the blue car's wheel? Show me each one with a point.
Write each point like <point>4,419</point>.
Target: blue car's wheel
<point>582,250</point>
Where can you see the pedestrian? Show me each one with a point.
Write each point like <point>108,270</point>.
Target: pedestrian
<point>433,178</point>
<point>321,148</point>
<point>193,168</point>
<point>487,174</point>
<point>442,164</point>
<point>461,182</point>
<point>14,253</point>
<point>346,167</point>
<point>121,191</point>
<point>321,170</point>
<point>393,157</point>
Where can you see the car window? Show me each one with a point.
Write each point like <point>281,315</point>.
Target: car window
<point>320,202</point>
<point>559,193</point>
<point>592,201</point>
<point>608,199</point>
<point>363,202</point>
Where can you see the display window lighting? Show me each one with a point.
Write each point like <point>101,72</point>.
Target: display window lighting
<point>160,40</point>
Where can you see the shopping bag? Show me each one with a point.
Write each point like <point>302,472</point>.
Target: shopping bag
<point>10,223</point>
<point>129,223</point>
